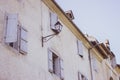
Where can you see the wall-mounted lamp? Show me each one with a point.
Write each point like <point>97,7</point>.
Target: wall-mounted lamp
<point>56,29</point>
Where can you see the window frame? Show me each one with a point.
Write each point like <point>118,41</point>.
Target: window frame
<point>60,69</point>
<point>15,45</point>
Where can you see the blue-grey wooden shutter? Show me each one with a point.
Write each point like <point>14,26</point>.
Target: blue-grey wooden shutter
<point>80,48</point>
<point>94,63</point>
<point>23,40</point>
<point>11,28</point>
<point>50,61</point>
<point>61,69</point>
<point>57,66</point>
<point>113,62</point>
<point>53,20</point>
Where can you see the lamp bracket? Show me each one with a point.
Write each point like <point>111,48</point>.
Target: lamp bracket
<point>47,38</point>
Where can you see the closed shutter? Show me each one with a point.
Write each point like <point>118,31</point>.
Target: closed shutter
<point>80,48</point>
<point>53,20</point>
<point>11,28</point>
<point>23,41</point>
<point>57,66</point>
<point>94,63</point>
<point>113,62</point>
<point>50,61</point>
<point>61,69</point>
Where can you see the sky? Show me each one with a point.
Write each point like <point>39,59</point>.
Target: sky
<point>98,18</point>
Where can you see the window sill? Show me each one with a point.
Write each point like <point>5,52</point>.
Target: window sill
<point>12,50</point>
<point>56,77</point>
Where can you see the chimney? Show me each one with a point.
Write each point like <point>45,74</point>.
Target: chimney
<point>107,44</point>
<point>92,39</point>
<point>70,14</point>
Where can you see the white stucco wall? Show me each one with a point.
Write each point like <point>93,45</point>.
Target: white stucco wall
<point>15,66</point>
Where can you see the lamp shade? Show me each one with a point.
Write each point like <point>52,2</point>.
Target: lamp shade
<point>57,27</point>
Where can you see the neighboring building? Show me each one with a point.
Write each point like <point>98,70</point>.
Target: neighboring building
<point>118,70</point>
<point>39,41</point>
<point>104,67</point>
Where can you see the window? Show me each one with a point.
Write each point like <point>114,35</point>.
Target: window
<point>55,64</point>
<point>94,63</point>
<point>53,21</point>
<point>113,62</point>
<point>80,48</point>
<point>55,24</point>
<point>16,36</point>
<point>81,77</point>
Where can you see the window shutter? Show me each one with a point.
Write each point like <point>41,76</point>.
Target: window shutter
<point>79,76</point>
<point>113,62</point>
<point>50,61</point>
<point>11,28</point>
<point>23,41</point>
<point>53,20</point>
<point>61,69</point>
<point>80,48</point>
<point>94,63</point>
<point>57,66</point>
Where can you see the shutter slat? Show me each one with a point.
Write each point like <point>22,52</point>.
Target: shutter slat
<point>11,28</point>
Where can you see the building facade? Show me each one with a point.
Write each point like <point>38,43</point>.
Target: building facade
<point>38,41</point>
